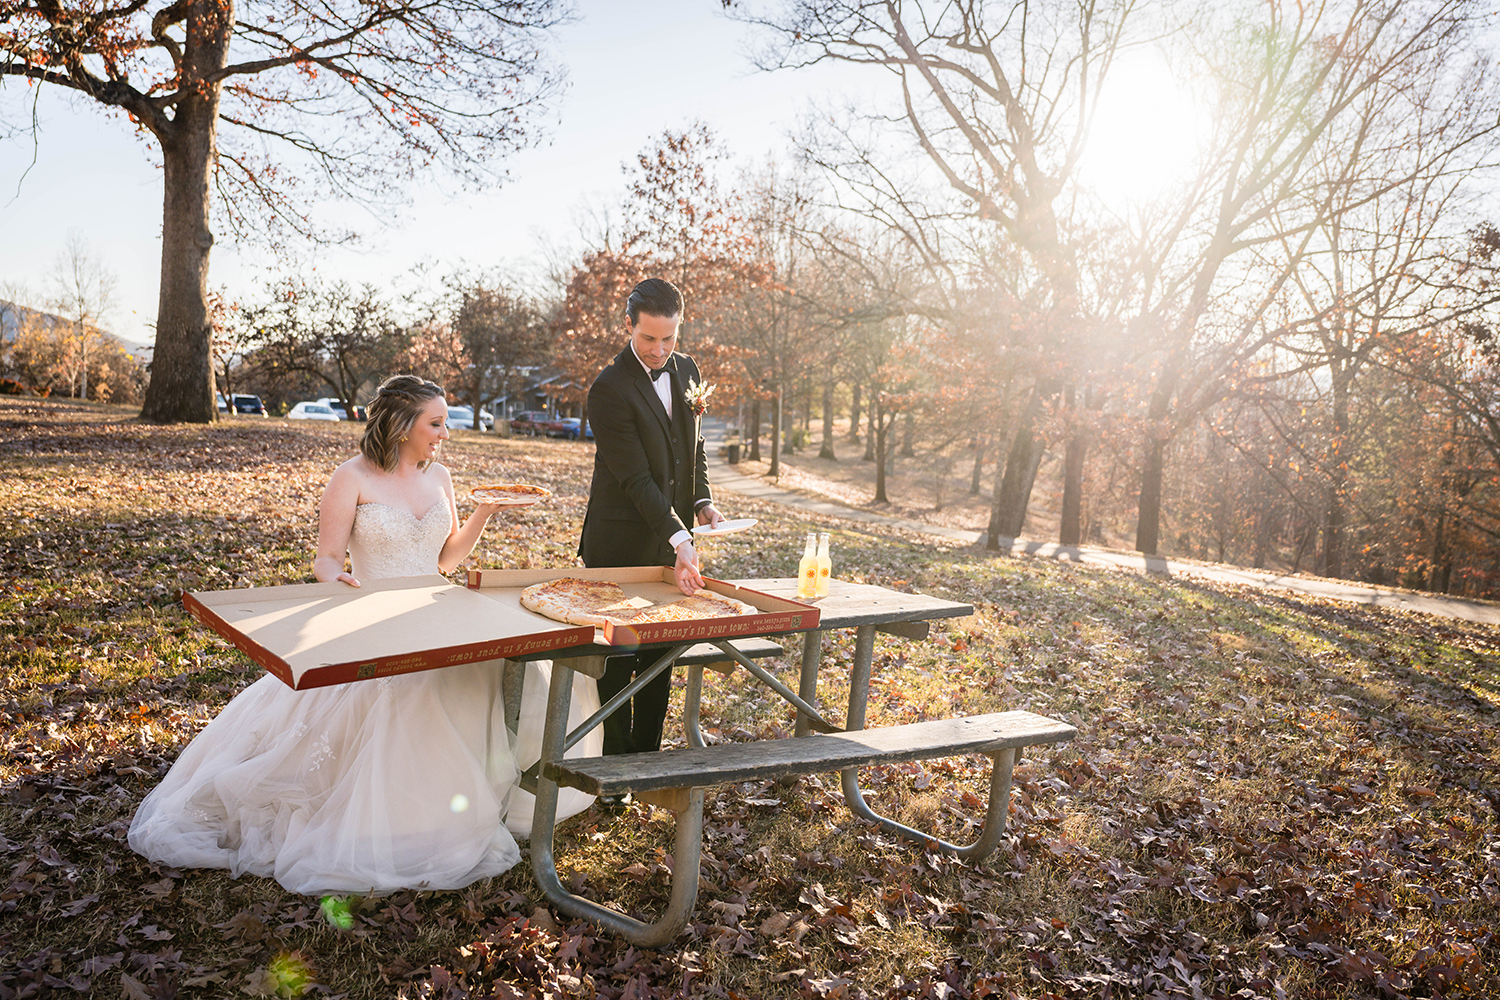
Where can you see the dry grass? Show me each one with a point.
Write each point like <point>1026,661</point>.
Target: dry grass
<point>1271,795</point>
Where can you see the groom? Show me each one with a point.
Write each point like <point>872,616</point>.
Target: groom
<point>650,483</point>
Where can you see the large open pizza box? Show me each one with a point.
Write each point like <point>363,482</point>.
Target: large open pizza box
<point>314,634</point>
<point>656,585</point>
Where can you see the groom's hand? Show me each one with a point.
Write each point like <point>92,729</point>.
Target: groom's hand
<point>689,580</point>
<point>709,514</point>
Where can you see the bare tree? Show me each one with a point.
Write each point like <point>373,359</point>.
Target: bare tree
<point>344,337</point>
<point>83,295</point>
<point>244,101</point>
<point>998,99</point>
<point>1342,105</point>
<point>503,333</point>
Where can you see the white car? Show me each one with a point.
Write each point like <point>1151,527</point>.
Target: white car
<point>312,411</point>
<point>462,418</point>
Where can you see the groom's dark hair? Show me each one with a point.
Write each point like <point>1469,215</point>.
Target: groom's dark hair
<point>654,297</point>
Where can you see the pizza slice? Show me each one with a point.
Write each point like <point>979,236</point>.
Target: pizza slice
<point>511,494</point>
<point>575,601</point>
<point>699,606</point>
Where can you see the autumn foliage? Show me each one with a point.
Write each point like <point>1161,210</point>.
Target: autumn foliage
<point>1270,795</point>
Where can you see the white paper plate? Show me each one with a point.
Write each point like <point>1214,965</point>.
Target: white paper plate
<point>727,527</point>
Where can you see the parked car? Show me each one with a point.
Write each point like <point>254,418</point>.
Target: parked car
<point>462,418</point>
<point>243,403</point>
<point>308,410</point>
<point>531,422</point>
<point>337,407</point>
<point>571,428</point>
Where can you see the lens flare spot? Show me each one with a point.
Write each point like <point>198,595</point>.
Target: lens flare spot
<point>336,911</point>
<point>289,974</point>
<point>459,804</point>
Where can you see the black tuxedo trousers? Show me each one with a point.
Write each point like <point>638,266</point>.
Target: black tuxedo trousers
<point>650,474</point>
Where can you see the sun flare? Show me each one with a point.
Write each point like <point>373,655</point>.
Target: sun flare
<point>1145,134</point>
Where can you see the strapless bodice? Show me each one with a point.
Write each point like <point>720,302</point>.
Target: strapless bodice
<point>389,541</point>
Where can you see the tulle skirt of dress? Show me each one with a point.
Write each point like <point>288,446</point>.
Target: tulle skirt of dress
<point>367,787</point>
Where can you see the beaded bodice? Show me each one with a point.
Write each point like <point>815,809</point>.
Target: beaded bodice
<point>389,541</point>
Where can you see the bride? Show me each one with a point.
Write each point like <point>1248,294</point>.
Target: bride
<point>403,782</point>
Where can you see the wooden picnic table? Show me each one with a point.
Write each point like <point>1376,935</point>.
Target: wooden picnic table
<point>676,779</point>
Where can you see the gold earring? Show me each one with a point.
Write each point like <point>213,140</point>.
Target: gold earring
<point>403,439</point>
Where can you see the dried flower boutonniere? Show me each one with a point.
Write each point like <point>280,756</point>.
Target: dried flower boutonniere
<point>697,394</point>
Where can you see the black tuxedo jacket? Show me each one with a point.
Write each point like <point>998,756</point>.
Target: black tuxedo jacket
<point>650,473</point>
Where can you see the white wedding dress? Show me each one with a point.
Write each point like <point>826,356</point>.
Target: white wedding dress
<point>366,787</point>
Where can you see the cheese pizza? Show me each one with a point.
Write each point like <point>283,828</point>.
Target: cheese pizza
<point>703,604</point>
<point>595,602</point>
<point>510,494</point>
<point>578,602</point>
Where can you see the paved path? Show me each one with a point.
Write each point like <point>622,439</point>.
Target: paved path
<point>727,477</point>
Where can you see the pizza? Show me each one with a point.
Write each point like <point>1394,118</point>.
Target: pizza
<point>700,605</point>
<point>514,494</point>
<point>597,602</point>
<point>575,601</point>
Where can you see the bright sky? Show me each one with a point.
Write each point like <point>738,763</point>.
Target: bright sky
<point>635,68</point>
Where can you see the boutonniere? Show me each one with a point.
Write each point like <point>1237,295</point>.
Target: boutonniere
<point>697,394</point>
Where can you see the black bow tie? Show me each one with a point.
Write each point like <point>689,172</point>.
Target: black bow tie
<point>657,373</point>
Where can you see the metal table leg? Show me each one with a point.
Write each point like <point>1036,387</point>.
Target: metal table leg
<point>1001,764</point>
<point>692,702</point>
<point>513,680</point>
<point>763,675</point>
<point>686,858</point>
<point>807,687</point>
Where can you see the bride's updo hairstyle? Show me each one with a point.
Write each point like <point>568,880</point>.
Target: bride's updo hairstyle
<point>394,411</point>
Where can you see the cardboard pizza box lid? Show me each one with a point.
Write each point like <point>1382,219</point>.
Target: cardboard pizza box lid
<point>315,634</point>
<point>656,585</point>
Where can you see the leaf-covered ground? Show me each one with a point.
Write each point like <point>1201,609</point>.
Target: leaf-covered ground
<point>1270,795</point>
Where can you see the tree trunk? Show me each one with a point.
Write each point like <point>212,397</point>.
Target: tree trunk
<point>854,413</point>
<point>1333,528</point>
<point>1338,473</point>
<point>980,444</point>
<point>1013,495</point>
<point>181,388</point>
<point>869,455</point>
<point>1071,530</point>
<point>1148,508</point>
<point>775,469</point>
<point>83,350</point>
<point>1304,539</point>
<point>908,430</point>
<point>1008,513</point>
<point>827,450</point>
<point>877,438</point>
<point>1264,521</point>
<point>1442,559</point>
<point>754,429</point>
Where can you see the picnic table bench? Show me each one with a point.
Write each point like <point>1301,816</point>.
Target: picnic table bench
<point>676,779</point>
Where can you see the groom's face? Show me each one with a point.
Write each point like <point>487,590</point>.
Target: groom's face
<point>654,338</point>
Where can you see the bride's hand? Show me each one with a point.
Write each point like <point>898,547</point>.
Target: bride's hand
<point>346,578</point>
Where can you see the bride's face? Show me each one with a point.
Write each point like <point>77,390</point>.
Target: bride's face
<point>430,430</point>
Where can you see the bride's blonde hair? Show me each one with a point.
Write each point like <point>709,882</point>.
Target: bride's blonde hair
<point>393,412</point>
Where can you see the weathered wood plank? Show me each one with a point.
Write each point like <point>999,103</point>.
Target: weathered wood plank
<point>770,759</point>
<point>852,604</point>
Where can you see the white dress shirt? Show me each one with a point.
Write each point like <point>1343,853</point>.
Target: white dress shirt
<point>663,387</point>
